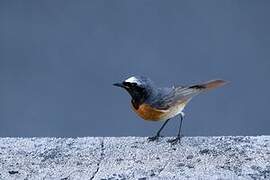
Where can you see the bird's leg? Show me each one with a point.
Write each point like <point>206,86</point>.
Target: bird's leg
<point>154,138</point>
<point>178,138</point>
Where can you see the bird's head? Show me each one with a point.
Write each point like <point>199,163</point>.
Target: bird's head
<point>139,87</point>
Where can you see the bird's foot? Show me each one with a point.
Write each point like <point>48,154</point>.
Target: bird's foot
<point>175,141</point>
<point>153,138</point>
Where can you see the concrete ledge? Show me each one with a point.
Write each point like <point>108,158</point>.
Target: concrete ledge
<point>135,158</point>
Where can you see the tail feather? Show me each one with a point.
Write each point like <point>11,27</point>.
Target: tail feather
<point>209,85</point>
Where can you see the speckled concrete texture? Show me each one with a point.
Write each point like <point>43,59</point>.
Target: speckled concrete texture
<point>113,158</point>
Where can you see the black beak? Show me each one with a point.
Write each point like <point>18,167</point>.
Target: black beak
<point>119,85</point>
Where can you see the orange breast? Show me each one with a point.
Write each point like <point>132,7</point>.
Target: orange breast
<point>146,112</point>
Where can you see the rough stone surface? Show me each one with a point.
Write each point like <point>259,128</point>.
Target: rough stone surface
<point>113,158</point>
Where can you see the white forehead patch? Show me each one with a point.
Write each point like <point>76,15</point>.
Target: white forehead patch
<point>133,80</point>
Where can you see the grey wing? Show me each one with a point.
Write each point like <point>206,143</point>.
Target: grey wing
<point>165,100</point>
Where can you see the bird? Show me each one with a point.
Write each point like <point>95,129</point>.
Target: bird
<point>153,103</point>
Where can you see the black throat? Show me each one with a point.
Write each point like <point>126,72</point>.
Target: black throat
<point>139,96</point>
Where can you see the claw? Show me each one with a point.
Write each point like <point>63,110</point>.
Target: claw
<point>154,138</point>
<point>175,141</point>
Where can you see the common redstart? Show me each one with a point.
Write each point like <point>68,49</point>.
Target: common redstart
<point>162,104</point>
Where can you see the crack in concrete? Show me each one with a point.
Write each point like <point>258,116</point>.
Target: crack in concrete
<point>101,158</point>
<point>68,177</point>
<point>166,164</point>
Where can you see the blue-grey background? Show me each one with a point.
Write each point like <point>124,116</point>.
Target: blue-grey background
<point>58,60</point>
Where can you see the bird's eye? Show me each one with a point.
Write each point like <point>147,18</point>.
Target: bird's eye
<point>129,84</point>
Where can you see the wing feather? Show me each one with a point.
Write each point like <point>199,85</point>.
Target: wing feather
<point>175,96</point>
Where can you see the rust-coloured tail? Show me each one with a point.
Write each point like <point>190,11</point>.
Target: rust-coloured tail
<point>210,84</point>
